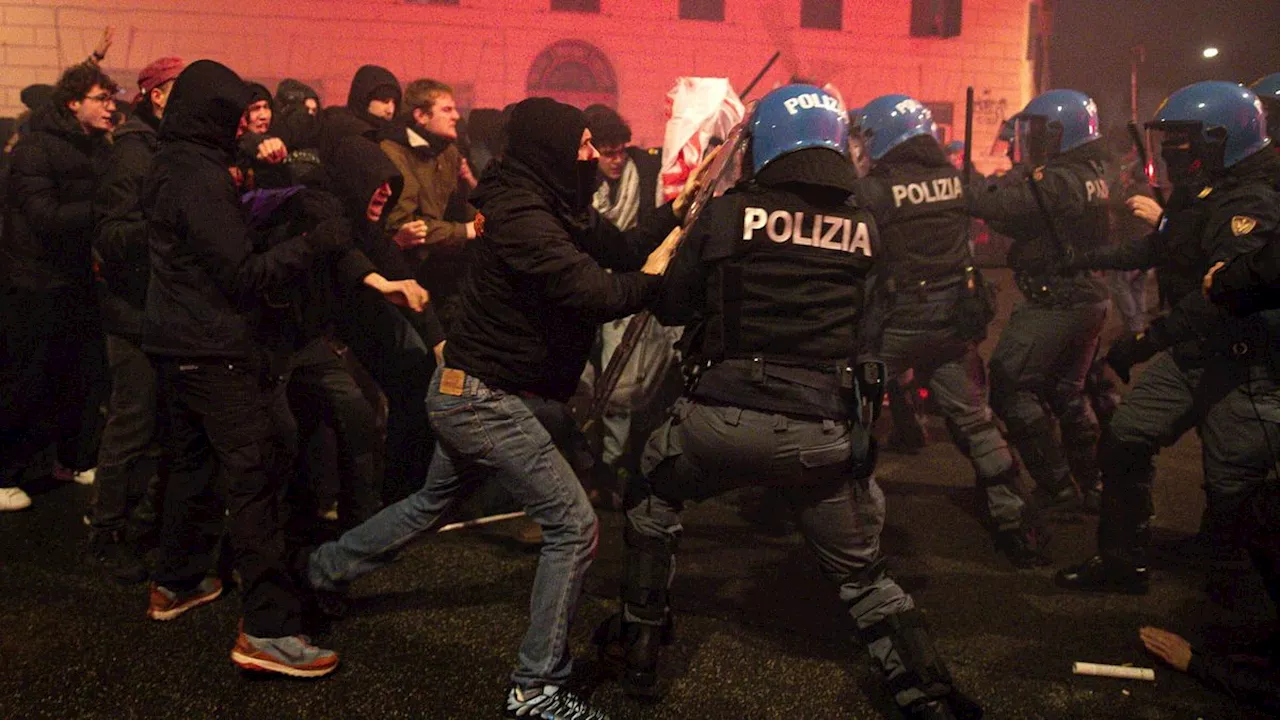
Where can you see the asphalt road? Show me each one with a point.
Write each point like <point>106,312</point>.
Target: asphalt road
<point>760,634</point>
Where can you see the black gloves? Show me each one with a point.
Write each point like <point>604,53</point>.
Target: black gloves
<point>1135,348</point>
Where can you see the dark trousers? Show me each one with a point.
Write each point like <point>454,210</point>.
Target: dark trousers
<point>218,445</point>
<point>1235,407</point>
<point>314,378</point>
<point>127,453</point>
<point>1042,360</point>
<point>52,377</point>
<point>393,352</point>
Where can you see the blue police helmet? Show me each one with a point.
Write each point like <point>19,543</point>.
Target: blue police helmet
<point>1072,111</point>
<point>955,146</point>
<point>890,120</point>
<point>796,117</point>
<point>1227,114</point>
<point>1267,87</point>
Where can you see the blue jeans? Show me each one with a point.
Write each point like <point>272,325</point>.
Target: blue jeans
<point>487,434</point>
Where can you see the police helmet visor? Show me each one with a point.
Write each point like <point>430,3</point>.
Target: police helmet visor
<point>1035,140</point>
<point>1271,106</point>
<point>1181,155</point>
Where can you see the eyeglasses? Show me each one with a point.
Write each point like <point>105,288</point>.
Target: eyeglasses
<point>104,98</point>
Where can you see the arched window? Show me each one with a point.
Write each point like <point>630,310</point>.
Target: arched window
<point>574,72</point>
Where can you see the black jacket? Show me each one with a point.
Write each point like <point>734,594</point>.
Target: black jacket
<point>48,216</point>
<point>917,198</point>
<point>120,238</point>
<point>1236,215</point>
<point>537,288</point>
<point>1075,194</point>
<point>206,280</point>
<point>340,122</point>
<point>357,169</point>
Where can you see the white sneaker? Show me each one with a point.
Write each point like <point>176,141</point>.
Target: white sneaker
<point>14,498</point>
<point>85,477</point>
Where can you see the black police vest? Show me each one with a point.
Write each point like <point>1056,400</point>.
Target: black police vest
<point>922,219</point>
<point>783,307</point>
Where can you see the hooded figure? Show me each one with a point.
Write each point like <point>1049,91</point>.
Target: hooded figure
<point>298,126</point>
<point>356,171</point>
<point>206,292</point>
<point>370,83</point>
<point>537,287</point>
<point>205,276</point>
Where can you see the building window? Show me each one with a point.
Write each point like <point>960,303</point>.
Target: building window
<point>935,18</point>
<point>702,10</point>
<point>573,72</point>
<point>821,14</point>
<point>582,6</point>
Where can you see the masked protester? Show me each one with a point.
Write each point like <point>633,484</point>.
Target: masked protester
<point>207,290</point>
<point>371,105</point>
<point>529,308</point>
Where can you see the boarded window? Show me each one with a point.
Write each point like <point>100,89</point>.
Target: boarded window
<point>935,18</point>
<point>821,14</point>
<point>702,10</point>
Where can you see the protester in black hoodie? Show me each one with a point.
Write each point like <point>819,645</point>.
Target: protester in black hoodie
<point>120,241</point>
<point>395,346</point>
<point>297,123</point>
<point>54,354</point>
<point>530,306</point>
<point>371,104</point>
<point>207,281</point>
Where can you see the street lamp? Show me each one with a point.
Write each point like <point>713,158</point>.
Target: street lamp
<point>1209,53</point>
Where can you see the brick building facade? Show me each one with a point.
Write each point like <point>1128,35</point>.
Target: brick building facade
<point>626,53</point>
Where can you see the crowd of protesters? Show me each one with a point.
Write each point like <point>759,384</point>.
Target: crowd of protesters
<point>203,283</point>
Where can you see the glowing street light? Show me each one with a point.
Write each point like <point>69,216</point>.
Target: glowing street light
<point>1209,53</point>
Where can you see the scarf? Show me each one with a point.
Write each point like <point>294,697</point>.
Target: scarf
<point>623,211</point>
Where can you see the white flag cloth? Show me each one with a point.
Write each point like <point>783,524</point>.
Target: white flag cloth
<point>701,108</point>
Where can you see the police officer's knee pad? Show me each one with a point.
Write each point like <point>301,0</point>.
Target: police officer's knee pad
<point>1122,459</point>
<point>923,668</point>
<point>647,573</point>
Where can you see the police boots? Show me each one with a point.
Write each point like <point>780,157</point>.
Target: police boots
<point>631,650</point>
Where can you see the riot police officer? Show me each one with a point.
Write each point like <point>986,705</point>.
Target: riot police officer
<point>1057,208</point>
<point>1212,370</point>
<point>770,282</point>
<point>937,306</point>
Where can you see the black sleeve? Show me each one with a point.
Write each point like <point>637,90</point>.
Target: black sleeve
<point>121,233</point>
<point>1138,254</point>
<point>684,286</point>
<point>1250,282</point>
<point>352,267</point>
<point>1257,684</point>
<point>1012,201</point>
<point>536,246</point>
<point>1195,316</point>
<point>627,251</point>
<point>220,242</point>
<point>32,183</point>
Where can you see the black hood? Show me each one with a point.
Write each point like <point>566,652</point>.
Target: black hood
<point>814,167</point>
<point>357,169</point>
<point>293,92</point>
<point>364,88</point>
<point>205,107</point>
<point>34,96</point>
<point>543,137</point>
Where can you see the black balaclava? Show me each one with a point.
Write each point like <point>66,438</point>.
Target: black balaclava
<point>544,136</point>
<point>371,82</point>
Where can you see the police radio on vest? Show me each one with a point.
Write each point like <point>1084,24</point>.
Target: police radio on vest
<point>938,190</point>
<point>809,101</point>
<point>825,232</point>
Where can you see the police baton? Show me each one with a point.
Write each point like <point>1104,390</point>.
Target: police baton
<point>967,170</point>
<point>1145,159</point>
